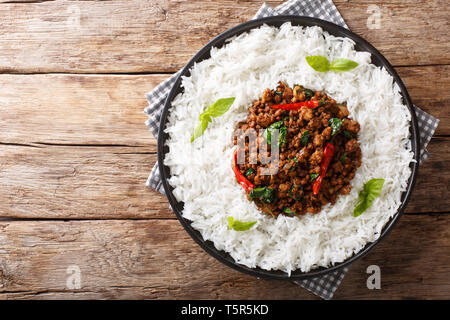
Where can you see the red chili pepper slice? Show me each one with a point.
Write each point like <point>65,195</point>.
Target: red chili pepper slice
<point>294,106</point>
<point>243,181</point>
<point>327,156</point>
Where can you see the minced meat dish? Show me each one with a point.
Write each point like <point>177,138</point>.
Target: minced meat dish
<point>318,151</point>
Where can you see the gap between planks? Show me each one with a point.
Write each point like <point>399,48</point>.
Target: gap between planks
<point>7,219</point>
<point>162,72</point>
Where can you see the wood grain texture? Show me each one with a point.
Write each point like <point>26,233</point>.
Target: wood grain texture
<point>427,87</point>
<point>107,109</point>
<point>78,182</point>
<point>82,182</point>
<point>74,146</point>
<point>161,36</point>
<point>156,259</point>
<point>74,109</point>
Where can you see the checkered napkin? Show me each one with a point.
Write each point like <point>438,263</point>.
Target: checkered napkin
<point>325,285</point>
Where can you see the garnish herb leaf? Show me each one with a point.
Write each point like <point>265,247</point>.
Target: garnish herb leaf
<point>335,124</point>
<point>201,127</point>
<point>220,107</point>
<point>291,165</point>
<point>282,136</point>
<point>264,194</point>
<point>343,157</point>
<point>239,225</point>
<point>371,190</point>
<point>313,176</point>
<point>308,93</point>
<point>217,109</point>
<point>342,64</point>
<point>292,195</point>
<point>318,63</point>
<point>322,102</point>
<point>347,135</point>
<point>289,212</point>
<point>268,209</point>
<point>282,131</point>
<point>321,64</point>
<point>249,172</point>
<point>305,137</point>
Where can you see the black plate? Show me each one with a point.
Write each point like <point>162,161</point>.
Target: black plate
<point>204,53</point>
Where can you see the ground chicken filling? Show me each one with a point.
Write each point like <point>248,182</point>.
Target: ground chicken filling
<point>318,151</point>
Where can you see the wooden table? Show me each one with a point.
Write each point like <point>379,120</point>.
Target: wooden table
<point>75,153</point>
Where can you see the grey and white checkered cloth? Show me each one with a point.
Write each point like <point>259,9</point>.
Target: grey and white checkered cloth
<point>326,285</point>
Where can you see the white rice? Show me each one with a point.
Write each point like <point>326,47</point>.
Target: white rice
<point>201,171</point>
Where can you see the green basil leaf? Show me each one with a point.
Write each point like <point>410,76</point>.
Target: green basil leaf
<point>230,222</point>
<point>249,172</point>
<point>289,165</point>
<point>308,93</point>
<point>201,127</point>
<point>264,194</point>
<point>313,176</point>
<point>342,64</point>
<point>277,125</point>
<point>322,102</point>
<point>268,195</point>
<point>343,157</point>
<point>335,124</point>
<point>282,136</point>
<point>371,190</point>
<point>282,131</point>
<point>305,137</point>
<point>292,195</point>
<point>257,193</point>
<point>321,64</point>
<point>289,212</point>
<point>270,211</point>
<point>361,207</point>
<point>347,135</point>
<point>240,225</point>
<point>219,107</point>
<point>318,63</point>
<point>290,191</point>
<point>267,134</point>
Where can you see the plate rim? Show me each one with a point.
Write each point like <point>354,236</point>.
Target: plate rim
<point>208,245</point>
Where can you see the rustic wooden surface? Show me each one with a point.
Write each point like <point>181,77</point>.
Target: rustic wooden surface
<point>75,154</point>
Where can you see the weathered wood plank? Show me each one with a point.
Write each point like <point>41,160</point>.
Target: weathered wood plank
<point>156,259</point>
<point>412,259</point>
<point>78,182</point>
<point>74,109</point>
<point>433,182</point>
<point>68,182</point>
<point>144,36</point>
<point>105,109</point>
<point>426,86</point>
